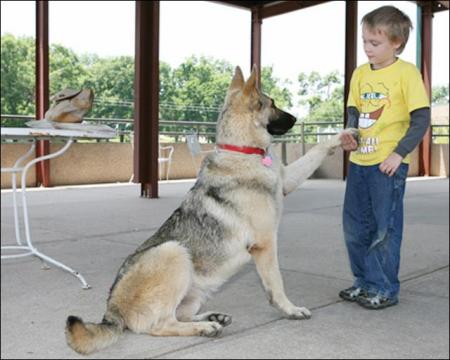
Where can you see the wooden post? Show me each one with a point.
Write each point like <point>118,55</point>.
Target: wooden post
<point>42,88</point>
<point>426,40</point>
<point>351,31</point>
<point>256,41</point>
<point>146,102</point>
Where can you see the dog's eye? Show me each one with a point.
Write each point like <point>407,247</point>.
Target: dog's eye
<point>255,105</point>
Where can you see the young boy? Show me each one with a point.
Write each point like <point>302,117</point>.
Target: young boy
<point>389,105</point>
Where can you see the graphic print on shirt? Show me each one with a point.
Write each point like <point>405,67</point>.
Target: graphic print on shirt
<point>374,99</point>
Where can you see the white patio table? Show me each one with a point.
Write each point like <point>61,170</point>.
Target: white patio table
<point>70,133</point>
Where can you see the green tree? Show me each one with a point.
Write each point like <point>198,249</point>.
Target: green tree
<point>17,75</point>
<point>112,80</point>
<point>65,69</point>
<point>200,88</point>
<point>324,98</point>
<point>276,88</point>
<point>167,92</point>
<point>439,94</point>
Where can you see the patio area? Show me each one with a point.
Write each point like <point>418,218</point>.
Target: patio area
<point>93,228</point>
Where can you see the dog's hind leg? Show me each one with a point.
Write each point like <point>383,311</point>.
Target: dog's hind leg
<point>266,261</point>
<point>190,305</point>
<point>151,290</point>
<point>149,294</point>
<point>173,327</point>
<point>187,310</point>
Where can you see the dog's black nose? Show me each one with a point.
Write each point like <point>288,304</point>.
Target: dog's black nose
<point>281,124</point>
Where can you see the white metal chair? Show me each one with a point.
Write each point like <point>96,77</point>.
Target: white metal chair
<point>194,147</point>
<point>165,157</point>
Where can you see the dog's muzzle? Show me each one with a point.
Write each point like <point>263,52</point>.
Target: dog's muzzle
<point>281,123</point>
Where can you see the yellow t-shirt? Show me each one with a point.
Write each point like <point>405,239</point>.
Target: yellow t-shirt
<point>384,99</point>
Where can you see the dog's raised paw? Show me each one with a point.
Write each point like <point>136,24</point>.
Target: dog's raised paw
<point>354,132</point>
<point>222,319</point>
<point>299,313</point>
<point>336,140</point>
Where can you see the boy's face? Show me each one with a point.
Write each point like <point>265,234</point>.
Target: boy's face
<point>379,49</point>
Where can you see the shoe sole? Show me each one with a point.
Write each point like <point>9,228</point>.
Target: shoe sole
<point>374,307</point>
<point>347,298</point>
<point>351,299</point>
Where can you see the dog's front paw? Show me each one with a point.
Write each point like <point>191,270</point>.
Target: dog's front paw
<point>211,329</point>
<point>336,140</point>
<point>299,313</point>
<point>352,131</point>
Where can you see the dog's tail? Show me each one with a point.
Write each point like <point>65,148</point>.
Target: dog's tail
<point>86,338</point>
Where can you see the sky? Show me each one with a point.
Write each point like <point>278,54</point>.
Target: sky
<point>301,41</point>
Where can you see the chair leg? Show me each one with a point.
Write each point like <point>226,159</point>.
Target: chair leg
<point>168,169</point>
<point>195,164</point>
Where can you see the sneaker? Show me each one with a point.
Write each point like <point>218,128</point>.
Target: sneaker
<point>353,293</point>
<point>376,302</point>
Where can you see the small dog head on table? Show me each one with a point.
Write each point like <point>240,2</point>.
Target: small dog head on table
<point>69,106</point>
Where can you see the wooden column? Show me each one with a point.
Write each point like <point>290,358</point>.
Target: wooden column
<point>42,88</point>
<point>426,40</point>
<point>351,31</point>
<point>256,41</point>
<point>146,98</point>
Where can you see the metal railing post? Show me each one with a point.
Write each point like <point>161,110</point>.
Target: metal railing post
<point>302,133</point>
<point>283,153</point>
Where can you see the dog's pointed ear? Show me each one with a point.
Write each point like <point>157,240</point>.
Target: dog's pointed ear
<point>238,79</point>
<point>252,81</point>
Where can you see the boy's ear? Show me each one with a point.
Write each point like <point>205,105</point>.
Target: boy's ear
<point>251,83</point>
<point>238,80</point>
<point>397,45</point>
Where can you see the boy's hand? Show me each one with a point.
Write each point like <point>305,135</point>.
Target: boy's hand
<point>391,164</point>
<point>348,141</point>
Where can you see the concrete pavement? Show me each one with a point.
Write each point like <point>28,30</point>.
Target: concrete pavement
<point>93,229</point>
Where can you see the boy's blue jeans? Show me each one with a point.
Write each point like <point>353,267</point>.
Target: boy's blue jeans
<point>373,227</point>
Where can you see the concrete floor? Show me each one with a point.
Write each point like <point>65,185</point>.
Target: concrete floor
<point>93,229</point>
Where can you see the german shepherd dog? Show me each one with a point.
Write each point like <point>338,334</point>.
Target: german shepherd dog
<point>229,216</point>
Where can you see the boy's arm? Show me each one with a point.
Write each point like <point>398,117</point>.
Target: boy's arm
<point>348,141</point>
<point>352,117</point>
<point>420,121</point>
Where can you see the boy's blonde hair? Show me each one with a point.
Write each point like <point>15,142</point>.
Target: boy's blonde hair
<point>395,23</point>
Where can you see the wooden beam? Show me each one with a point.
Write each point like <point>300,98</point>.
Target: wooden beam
<point>256,41</point>
<point>426,39</point>
<point>146,101</point>
<point>283,7</point>
<point>436,6</point>
<point>444,4</point>
<point>351,31</point>
<point>241,4</point>
<point>42,89</point>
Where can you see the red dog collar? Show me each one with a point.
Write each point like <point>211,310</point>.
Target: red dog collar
<point>243,149</point>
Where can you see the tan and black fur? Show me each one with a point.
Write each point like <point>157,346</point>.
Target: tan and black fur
<point>230,216</point>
